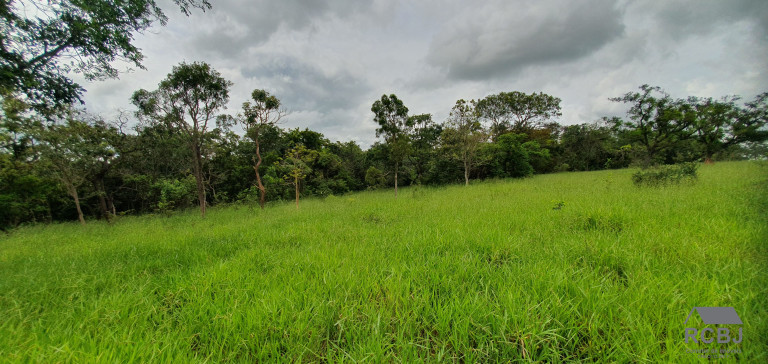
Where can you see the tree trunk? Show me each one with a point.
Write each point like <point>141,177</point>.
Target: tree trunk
<point>296,183</point>
<point>75,197</point>
<point>708,159</point>
<point>262,190</point>
<point>466,173</point>
<point>98,184</point>
<point>198,170</point>
<point>396,165</point>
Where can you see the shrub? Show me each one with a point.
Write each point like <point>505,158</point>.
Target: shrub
<point>175,193</point>
<point>374,178</point>
<point>666,175</point>
<point>509,157</point>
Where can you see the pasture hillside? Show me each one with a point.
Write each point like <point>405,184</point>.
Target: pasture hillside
<point>559,267</point>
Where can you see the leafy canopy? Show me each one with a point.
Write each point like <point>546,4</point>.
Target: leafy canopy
<point>42,41</point>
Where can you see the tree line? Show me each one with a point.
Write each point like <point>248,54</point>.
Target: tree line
<point>59,163</point>
<point>183,151</point>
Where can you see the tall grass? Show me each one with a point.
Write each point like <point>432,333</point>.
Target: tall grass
<point>486,273</point>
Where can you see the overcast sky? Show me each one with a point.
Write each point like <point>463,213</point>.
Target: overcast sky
<point>328,61</point>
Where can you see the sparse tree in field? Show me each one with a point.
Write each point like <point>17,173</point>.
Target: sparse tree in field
<point>464,135</point>
<point>187,101</point>
<point>264,112</point>
<point>296,164</point>
<point>392,117</point>
<point>44,41</point>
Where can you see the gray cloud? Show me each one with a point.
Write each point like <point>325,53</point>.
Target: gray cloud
<point>304,86</point>
<point>680,19</point>
<point>329,60</point>
<point>239,25</point>
<point>503,38</point>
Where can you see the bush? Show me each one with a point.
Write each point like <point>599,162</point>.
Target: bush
<point>509,157</point>
<point>175,193</point>
<point>666,175</point>
<point>374,178</point>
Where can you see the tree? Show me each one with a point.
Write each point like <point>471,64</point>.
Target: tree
<point>517,111</point>
<point>587,147</point>
<point>750,126</point>
<point>43,41</point>
<point>714,119</point>
<point>353,162</point>
<point>656,122</point>
<point>528,111</point>
<point>296,163</point>
<point>73,151</point>
<point>392,117</point>
<point>464,135</point>
<point>264,112</point>
<point>495,111</point>
<point>508,157</point>
<point>25,187</point>
<point>374,177</point>
<point>187,100</point>
<point>425,135</point>
<point>103,140</point>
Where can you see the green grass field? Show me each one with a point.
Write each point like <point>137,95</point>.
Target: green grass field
<point>485,273</point>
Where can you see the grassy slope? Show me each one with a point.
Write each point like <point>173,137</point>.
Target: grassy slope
<point>483,273</point>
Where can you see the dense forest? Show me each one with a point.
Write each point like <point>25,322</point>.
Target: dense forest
<point>178,149</point>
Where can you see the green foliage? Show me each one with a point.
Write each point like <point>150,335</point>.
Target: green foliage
<point>187,100</point>
<point>666,175</point>
<point>392,116</point>
<point>425,137</point>
<point>116,169</point>
<point>751,126</point>
<point>175,194</point>
<point>589,147</point>
<point>24,193</point>
<point>295,167</point>
<point>538,157</point>
<point>374,178</point>
<point>463,135</point>
<point>517,112</point>
<point>658,123</point>
<point>41,47</point>
<point>395,127</point>
<point>507,157</point>
<point>264,113</point>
